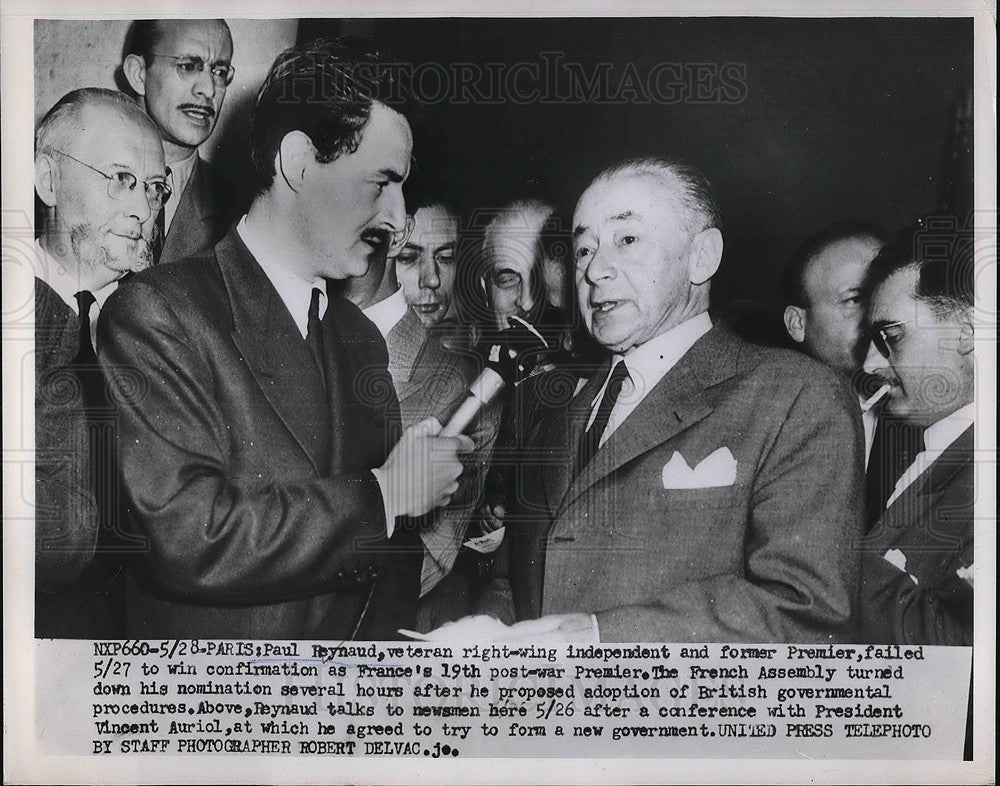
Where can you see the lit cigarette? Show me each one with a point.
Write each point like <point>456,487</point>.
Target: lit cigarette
<point>876,398</point>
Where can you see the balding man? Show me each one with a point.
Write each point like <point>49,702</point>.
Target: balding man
<point>100,173</point>
<point>180,69</point>
<point>697,488</point>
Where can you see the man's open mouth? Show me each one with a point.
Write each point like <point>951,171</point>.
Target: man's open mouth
<point>197,112</point>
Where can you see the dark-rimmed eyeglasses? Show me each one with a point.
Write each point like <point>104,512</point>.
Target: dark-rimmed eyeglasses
<point>886,337</point>
<point>122,183</point>
<point>189,67</point>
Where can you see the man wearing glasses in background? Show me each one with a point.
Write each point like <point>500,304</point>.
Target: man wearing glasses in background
<point>100,173</point>
<point>916,570</point>
<point>180,69</point>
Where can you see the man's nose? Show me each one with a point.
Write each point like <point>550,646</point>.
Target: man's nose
<point>204,84</point>
<point>525,300</point>
<point>392,208</point>
<point>874,362</point>
<point>429,276</point>
<point>136,205</point>
<point>599,266</point>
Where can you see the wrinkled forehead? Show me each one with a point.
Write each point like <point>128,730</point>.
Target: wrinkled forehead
<point>638,196</point>
<point>208,39</point>
<point>514,241</point>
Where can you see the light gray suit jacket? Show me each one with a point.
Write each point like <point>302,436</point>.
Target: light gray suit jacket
<point>428,378</point>
<point>767,558</point>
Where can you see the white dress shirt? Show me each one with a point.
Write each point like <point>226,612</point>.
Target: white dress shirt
<point>180,174</point>
<point>66,285</point>
<point>937,439</point>
<point>294,290</point>
<point>296,293</point>
<point>387,313</point>
<point>647,364</point>
<point>869,420</point>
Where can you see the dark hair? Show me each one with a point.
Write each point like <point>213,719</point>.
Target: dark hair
<point>144,34</point>
<point>324,88</point>
<point>698,194</point>
<point>944,259</point>
<point>793,284</point>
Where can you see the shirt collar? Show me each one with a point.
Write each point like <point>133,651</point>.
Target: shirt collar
<point>648,363</point>
<point>939,436</point>
<point>180,174</point>
<point>294,290</point>
<point>64,284</point>
<point>387,312</point>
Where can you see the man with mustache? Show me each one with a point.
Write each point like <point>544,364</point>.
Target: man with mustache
<point>427,264</point>
<point>263,460</point>
<point>428,379</point>
<point>917,564</point>
<point>697,487</point>
<point>180,69</point>
<point>100,173</point>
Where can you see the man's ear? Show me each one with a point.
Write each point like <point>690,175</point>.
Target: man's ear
<point>134,68</point>
<point>967,337</point>
<point>795,323</point>
<point>296,155</point>
<point>46,178</point>
<point>705,256</point>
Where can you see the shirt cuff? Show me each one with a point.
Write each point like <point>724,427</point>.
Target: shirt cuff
<point>390,514</point>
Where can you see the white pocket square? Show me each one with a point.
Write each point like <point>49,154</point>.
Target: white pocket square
<point>716,470</point>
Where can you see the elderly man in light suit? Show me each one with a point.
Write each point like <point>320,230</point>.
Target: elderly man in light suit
<point>697,487</point>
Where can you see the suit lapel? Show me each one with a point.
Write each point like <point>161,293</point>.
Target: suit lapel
<point>921,497</point>
<point>676,403</point>
<point>405,344</point>
<point>274,350</point>
<point>564,437</point>
<point>197,206</point>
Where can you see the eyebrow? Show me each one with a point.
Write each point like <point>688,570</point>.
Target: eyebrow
<point>392,175</point>
<point>623,216</point>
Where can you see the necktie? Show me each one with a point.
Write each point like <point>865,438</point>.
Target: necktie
<point>85,365</point>
<point>591,439</point>
<point>895,445</point>
<point>314,335</point>
<point>160,236</point>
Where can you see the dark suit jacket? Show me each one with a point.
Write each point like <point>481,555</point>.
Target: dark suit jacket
<point>767,558</point>
<point>77,591</point>
<point>251,482</point>
<point>210,205</point>
<point>931,524</point>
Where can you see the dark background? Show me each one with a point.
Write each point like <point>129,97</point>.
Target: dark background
<point>839,119</point>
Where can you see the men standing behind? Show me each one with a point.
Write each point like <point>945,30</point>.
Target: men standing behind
<point>180,69</point>
<point>824,313</point>
<point>515,269</point>
<point>100,173</point>
<point>428,378</point>
<point>916,569</point>
<point>261,463</point>
<point>698,488</point>
<point>427,265</point>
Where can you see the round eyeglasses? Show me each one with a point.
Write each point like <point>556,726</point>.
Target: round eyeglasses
<point>190,67</point>
<point>123,182</point>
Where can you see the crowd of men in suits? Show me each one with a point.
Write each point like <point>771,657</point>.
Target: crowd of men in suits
<point>240,394</point>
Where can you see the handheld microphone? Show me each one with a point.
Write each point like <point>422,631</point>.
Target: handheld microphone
<point>510,359</point>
